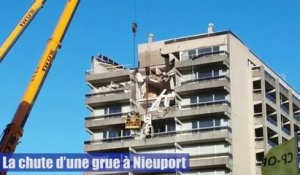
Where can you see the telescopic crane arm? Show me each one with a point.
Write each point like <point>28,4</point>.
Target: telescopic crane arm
<point>22,25</point>
<point>14,130</point>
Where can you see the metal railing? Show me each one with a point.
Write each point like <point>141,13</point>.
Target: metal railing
<point>108,116</point>
<point>163,134</point>
<point>205,79</point>
<point>206,104</point>
<point>106,92</point>
<point>197,56</point>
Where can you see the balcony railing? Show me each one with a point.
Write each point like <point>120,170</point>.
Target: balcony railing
<point>196,80</point>
<point>209,54</point>
<point>163,134</point>
<point>108,116</point>
<point>106,92</point>
<point>206,104</point>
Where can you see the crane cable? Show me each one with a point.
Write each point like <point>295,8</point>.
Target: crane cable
<point>134,28</point>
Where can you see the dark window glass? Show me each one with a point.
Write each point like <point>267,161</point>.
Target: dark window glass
<point>216,48</point>
<point>126,132</point>
<point>194,124</point>
<point>216,73</point>
<point>220,96</point>
<point>192,53</point>
<point>160,128</point>
<point>204,74</point>
<point>170,127</point>
<point>205,98</point>
<point>204,50</point>
<point>115,109</point>
<point>106,111</point>
<point>217,122</point>
<point>104,134</point>
<point>194,100</point>
<point>206,123</point>
<point>114,134</point>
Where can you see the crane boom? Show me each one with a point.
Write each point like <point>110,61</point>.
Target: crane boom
<point>14,130</point>
<point>22,25</point>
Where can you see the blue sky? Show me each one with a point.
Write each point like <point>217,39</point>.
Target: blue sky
<point>270,28</point>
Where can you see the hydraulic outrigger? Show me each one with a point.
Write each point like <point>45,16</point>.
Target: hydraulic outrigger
<point>19,29</point>
<point>14,130</point>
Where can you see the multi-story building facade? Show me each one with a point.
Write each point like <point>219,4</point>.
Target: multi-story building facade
<point>227,107</point>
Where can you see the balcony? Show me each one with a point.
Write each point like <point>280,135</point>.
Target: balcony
<point>94,122</point>
<point>163,139</point>
<point>211,162</point>
<point>101,79</point>
<point>190,86</point>
<point>205,104</point>
<point>187,111</point>
<point>220,57</point>
<point>108,97</point>
<point>217,161</point>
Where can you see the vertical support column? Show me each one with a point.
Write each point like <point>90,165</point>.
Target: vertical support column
<point>291,113</point>
<point>278,109</point>
<point>264,108</point>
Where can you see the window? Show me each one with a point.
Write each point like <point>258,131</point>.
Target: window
<point>111,134</point>
<point>216,73</point>
<point>160,128</point>
<point>204,74</point>
<point>194,100</point>
<point>216,48</point>
<point>191,53</point>
<point>194,124</point>
<point>206,123</point>
<point>217,122</point>
<point>112,110</point>
<point>171,127</point>
<point>126,132</point>
<point>204,50</point>
<point>205,98</point>
<point>114,134</point>
<point>209,123</point>
<point>219,96</point>
<point>208,98</point>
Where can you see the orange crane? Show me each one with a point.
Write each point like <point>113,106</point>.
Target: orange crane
<point>19,29</point>
<point>14,130</point>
